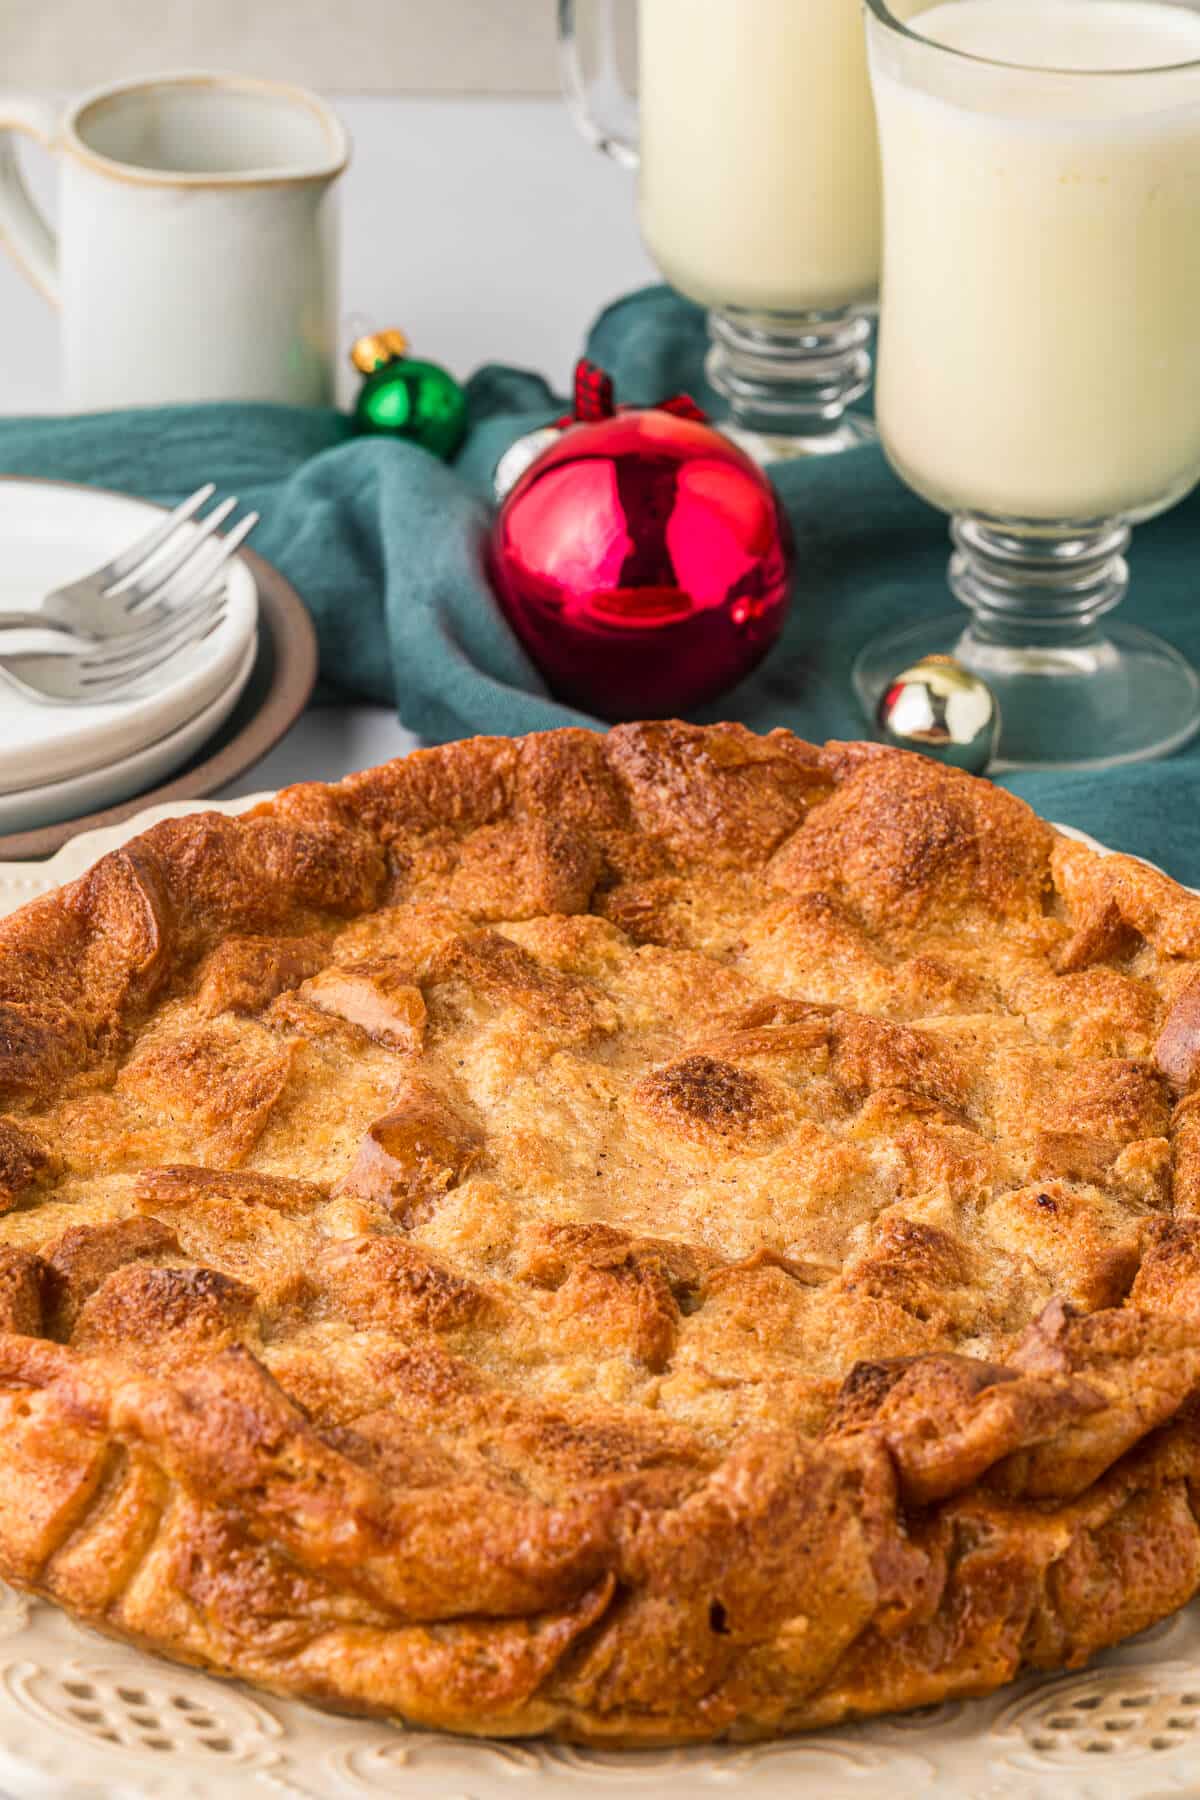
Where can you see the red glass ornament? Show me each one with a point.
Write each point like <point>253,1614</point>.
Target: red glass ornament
<point>643,562</point>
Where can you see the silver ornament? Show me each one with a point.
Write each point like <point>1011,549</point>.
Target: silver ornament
<point>940,708</point>
<point>520,456</point>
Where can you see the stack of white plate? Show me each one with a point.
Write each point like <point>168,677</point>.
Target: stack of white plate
<point>62,761</point>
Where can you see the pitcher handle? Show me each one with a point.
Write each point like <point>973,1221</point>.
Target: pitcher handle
<point>23,226</point>
<point>602,108</point>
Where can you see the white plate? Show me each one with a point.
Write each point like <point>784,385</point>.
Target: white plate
<point>76,795</point>
<point>52,533</point>
<point>84,1718</point>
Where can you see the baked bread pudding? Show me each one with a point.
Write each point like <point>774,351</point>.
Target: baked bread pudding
<point>644,1238</point>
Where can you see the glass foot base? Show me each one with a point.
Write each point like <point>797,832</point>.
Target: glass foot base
<point>1120,697</point>
<point>850,433</point>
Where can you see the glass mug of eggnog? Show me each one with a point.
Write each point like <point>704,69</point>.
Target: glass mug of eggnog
<point>759,191</point>
<point>1039,354</point>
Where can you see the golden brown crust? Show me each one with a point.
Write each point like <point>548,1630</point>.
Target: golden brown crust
<point>643,1238</point>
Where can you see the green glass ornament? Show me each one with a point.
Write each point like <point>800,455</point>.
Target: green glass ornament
<point>405,398</point>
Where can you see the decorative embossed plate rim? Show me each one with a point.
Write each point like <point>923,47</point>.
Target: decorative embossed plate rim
<point>82,1718</point>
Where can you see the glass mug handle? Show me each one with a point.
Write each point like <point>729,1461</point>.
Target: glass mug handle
<point>605,112</point>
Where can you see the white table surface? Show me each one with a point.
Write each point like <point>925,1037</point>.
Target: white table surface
<point>486,229</point>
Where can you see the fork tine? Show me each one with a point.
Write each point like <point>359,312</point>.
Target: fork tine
<point>114,656</point>
<point>148,618</point>
<point>148,586</point>
<point>158,643</point>
<point>198,576</point>
<point>132,670</point>
<point>130,559</point>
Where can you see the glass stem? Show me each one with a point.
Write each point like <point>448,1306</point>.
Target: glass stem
<point>790,375</point>
<point>1036,588</point>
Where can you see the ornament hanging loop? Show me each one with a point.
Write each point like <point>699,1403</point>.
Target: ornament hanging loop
<point>595,399</point>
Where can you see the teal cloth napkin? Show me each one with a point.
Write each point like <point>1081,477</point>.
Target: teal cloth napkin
<point>385,545</point>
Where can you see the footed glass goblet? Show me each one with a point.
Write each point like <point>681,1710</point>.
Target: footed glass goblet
<point>1039,357</point>
<point>759,191</point>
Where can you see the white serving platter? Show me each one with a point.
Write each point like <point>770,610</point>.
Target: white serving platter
<point>83,1718</point>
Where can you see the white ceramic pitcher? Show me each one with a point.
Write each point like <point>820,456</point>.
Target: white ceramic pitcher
<point>195,254</point>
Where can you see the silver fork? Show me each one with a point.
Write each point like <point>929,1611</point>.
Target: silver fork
<point>99,672</point>
<point>140,588</point>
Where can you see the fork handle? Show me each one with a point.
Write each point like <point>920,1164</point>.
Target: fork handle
<point>37,621</point>
<point>67,651</point>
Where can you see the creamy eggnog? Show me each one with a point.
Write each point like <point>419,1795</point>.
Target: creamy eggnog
<point>759,159</point>
<point>1040,342</point>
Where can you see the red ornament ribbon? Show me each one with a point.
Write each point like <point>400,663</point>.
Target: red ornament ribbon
<point>595,399</point>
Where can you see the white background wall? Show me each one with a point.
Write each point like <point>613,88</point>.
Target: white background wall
<point>474,217</point>
<point>351,46</point>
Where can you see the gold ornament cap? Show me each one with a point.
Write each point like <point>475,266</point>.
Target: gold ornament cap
<point>377,349</point>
